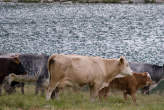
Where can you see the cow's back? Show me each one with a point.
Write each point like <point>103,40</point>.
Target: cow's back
<point>123,83</point>
<point>141,67</point>
<point>34,63</point>
<point>80,69</point>
<point>81,64</point>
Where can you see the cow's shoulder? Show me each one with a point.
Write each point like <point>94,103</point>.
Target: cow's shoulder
<point>109,62</point>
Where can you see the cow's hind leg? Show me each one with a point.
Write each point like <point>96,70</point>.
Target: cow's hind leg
<point>55,94</point>
<point>52,86</point>
<point>49,92</point>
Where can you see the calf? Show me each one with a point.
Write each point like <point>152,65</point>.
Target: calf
<point>8,65</point>
<point>129,85</point>
<point>156,72</point>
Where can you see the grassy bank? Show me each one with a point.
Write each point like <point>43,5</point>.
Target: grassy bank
<point>70,100</point>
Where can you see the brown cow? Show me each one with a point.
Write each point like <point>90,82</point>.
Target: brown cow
<point>10,65</point>
<point>129,85</point>
<point>76,70</point>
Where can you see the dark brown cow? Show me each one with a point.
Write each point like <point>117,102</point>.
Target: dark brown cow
<point>36,67</point>
<point>8,65</point>
<point>128,85</point>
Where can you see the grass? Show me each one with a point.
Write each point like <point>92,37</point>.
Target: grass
<point>79,100</point>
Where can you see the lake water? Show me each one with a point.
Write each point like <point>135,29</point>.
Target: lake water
<point>107,30</point>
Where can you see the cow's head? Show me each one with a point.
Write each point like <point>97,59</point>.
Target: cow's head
<point>7,85</point>
<point>8,79</point>
<point>124,67</point>
<point>15,59</point>
<point>148,79</point>
<point>21,69</point>
<point>144,79</point>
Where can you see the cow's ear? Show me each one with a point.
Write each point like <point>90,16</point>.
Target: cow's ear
<point>145,74</point>
<point>16,60</point>
<point>122,60</point>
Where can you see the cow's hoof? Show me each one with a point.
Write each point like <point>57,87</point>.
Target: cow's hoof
<point>92,99</point>
<point>136,104</point>
<point>48,97</point>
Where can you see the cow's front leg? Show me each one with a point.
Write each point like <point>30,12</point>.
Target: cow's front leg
<point>0,89</point>
<point>94,91</point>
<point>42,91</point>
<point>148,90</point>
<point>22,88</point>
<point>91,92</point>
<point>125,95</point>
<point>37,89</point>
<point>103,93</point>
<point>133,95</point>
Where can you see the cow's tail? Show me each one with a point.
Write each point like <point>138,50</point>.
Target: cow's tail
<point>51,61</point>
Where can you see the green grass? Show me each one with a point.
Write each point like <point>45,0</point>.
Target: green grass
<point>79,100</point>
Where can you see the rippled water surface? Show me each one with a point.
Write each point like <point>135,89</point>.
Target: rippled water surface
<point>107,30</point>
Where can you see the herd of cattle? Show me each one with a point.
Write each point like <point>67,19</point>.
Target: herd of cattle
<point>53,73</point>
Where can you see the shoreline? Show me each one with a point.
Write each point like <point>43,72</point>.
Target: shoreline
<point>87,1</point>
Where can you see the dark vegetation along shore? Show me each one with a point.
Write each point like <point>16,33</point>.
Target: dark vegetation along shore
<point>85,1</point>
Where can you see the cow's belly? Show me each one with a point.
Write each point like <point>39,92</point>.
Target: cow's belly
<point>80,70</point>
<point>80,77</point>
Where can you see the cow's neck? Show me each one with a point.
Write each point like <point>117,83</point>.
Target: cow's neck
<point>140,82</point>
<point>112,69</point>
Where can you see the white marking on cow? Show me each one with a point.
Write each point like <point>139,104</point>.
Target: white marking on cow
<point>148,75</point>
<point>120,76</point>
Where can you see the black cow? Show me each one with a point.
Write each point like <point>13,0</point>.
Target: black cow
<point>156,72</point>
<point>36,66</point>
<point>10,65</point>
